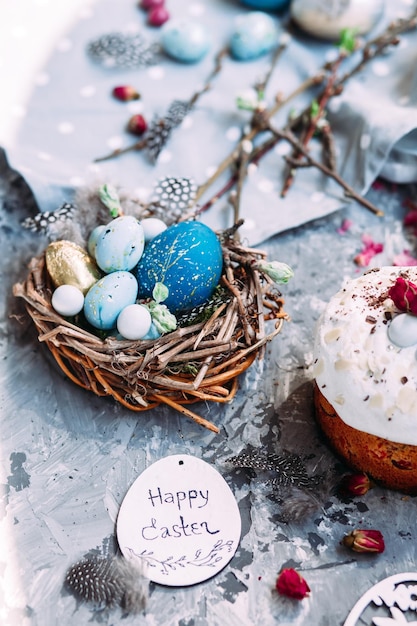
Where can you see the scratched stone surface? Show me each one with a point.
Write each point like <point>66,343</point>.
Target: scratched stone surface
<point>68,457</point>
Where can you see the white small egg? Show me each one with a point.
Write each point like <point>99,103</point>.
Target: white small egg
<point>403,330</point>
<point>134,321</point>
<point>152,226</point>
<point>67,300</point>
<point>93,238</point>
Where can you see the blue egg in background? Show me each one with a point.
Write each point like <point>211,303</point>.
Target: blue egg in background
<point>107,297</point>
<point>255,34</point>
<point>267,5</point>
<point>187,258</point>
<point>185,40</point>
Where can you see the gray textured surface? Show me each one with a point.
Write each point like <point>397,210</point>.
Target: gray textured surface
<point>68,458</point>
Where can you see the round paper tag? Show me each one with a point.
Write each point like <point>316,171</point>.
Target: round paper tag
<point>180,520</point>
<point>387,602</point>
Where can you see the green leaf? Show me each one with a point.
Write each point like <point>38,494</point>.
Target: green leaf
<point>160,292</point>
<point>110,198</point>
<point>347,41</point>
<point>314,108</point>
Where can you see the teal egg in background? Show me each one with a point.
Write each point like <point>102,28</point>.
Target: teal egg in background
<point>255,35</point>
<point>187,258</point>
<point>107,297</point>
<point>185,40</point>
<point>120,244</point>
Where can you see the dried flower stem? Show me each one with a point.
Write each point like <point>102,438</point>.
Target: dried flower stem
<point>141,144</point>
<point>287,135</point>
<point>308,134</point>
<point>333,87</point>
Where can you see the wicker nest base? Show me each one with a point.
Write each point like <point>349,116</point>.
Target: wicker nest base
<point>201,361</point>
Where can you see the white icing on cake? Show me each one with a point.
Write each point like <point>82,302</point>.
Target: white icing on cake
<point>370,382</point>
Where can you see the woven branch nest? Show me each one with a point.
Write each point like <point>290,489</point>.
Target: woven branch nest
<point>201,361</point>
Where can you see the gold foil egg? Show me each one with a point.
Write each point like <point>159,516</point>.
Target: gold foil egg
<point>69,264</point>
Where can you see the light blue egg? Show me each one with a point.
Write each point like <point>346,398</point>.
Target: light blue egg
<point>93,238</point>
<point>187,258</point>
<point>152,333</point>
<point>255,35</point>
<point>267,5</point>
<point>120,245</point>
<point>107,297</point>
<point>185,40</point>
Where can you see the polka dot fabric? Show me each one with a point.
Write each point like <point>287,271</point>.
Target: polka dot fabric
<point>65,116</point>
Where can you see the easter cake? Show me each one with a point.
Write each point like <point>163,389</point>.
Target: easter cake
<point>149,312</point>
<point>365,371</point>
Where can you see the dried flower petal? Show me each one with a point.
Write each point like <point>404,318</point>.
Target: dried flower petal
<point>355,484</point>
<point>345,226</point>
<point>364,540</point>
<point>137,124</point>
<point>405,259</point>
<point>369,250</point>
<point>404,295</point>
<point>125,93</point>
<point>291,584</point>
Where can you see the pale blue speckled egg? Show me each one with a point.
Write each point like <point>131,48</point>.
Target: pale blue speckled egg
<point>108,297</point>
<point>255,34</point>
<point>267,5</point>
<point>185,40</point>
<point>187,258</point>
<point>93,238</point>
<point>120,244</point>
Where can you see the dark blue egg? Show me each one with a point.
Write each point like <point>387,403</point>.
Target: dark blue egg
<point>187,258</point>
<point>267,5</point>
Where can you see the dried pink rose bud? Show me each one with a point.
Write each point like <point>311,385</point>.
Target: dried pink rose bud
<point>355,484</point>
<point>404,295</point>
<point>137,125</point>
<point>151,4</point>
<point>291,584</point>
<point>364,540</point>
<point>158,16</point>
<point>125,93</point>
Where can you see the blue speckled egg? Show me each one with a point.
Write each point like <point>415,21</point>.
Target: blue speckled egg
<point>267,5</point>
<point>93,238</point>
<point>185,40</point>
<point>120,244</point>
<point>255,35</point>
<point>108,297</point>
<point>187,258</point>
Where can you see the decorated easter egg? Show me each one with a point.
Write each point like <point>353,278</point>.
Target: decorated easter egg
<point>134,321</point>
<point>255,34</point>
<point>120,245</point>
<point>267,5</point>
<point>69,264</point>
<point>67,300</point>
<point>152,226</point>
<point>185,40</point>
<point>327,19</point>
<point>108,297</point>
<point>187,258</point>
<point>93,238</point>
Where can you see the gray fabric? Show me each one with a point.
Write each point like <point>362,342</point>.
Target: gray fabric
<point>71,118</point>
